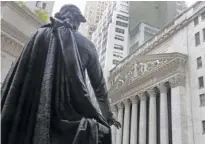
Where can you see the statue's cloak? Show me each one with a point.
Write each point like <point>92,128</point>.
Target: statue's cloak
<point>44,96</point>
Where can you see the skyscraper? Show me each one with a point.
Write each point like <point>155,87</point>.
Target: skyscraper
<point>111,35</point>
<point>93,13</point>
<point>154,14</point>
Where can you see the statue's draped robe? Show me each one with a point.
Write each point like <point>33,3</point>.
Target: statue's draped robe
<point>44,96</point>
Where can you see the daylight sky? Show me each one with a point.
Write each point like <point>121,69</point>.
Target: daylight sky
<point>81,4</point>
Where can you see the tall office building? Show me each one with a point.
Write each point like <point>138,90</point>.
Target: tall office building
<point>111,35</point>
<point>93,13</point>
<point>154,14</point>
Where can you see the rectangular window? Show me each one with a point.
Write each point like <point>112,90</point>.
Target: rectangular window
<point>203,16</point>
<point>197,39</point>
<point>202,99</point>
<point>119,47</point>
<point>124,12</point>
<point>118,56</point>
<point>122,31</point>
<point>121,24</point>
<point>201,82</point>
<point>40,4</point>
<point>199,62</point>
<point>203,126</point>
<point>196,21</point>
<point>115,62</point>
<point>204,34</point>
<point>122,17</point>
<point>118,37</point>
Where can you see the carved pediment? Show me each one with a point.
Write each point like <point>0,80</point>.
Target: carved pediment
<point>139,66</point>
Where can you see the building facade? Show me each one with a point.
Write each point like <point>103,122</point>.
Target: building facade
<point>158,92</point>
<point>111,35</point>
<point>154,14</point>
<point>17,25</point>
<point>45,5</point>
<point>93,13</point>
<point>141,33</point>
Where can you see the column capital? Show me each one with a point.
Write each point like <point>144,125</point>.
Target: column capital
<point>162,87</point>
<point>142,96</point>
<point>151,92</point>
<point>134,99</point>
<point>114,108</point>
<point>120,105</point>
<point>126,102</point>
<point>178,80</point>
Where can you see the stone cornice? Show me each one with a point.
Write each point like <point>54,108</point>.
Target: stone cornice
<point>174,26</point>
<point>13,47</point>
<point>179,80</point>
<point>150,82</point>
<point>20,37</point>
<point>174,65</point>
<point>24,12</point>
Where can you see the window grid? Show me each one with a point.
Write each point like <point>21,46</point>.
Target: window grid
<point>122,31</point>
<point>122,17</point>
<point>118,37</point>
<point>121,24</point>
<point>119,47</point>
<point>115,62</point>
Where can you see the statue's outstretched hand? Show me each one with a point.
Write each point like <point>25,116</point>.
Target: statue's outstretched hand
<point>114,122</point>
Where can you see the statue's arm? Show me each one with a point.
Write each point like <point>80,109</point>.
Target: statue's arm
<point>97,80</point>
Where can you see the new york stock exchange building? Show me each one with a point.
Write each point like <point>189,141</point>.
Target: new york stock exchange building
<point>158,92</point>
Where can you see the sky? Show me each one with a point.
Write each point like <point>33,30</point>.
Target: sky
<point>81,4</point>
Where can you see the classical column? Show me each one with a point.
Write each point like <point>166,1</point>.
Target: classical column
<point>152,117</point>
<point>179,115</point>
<point>133,134</point>
<point>164,137</point>
<point>113,128</point>
<point>120,119</point>
<point>126,125</point>
<point>142,126</point>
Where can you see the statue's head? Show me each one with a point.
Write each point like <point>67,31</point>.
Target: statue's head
<point>73,13</point>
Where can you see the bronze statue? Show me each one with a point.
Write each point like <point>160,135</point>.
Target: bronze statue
<point>44,96</point>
